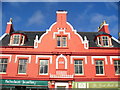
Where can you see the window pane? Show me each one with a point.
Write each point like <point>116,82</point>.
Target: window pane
<point>78,66</point>
<point>3,65</point>
<point>58,41</point>
<point>97,70</point>
<point>117,66</point>
<point>16,39</point>
<point>22,65</point>
<point>99,67</point>
<point>63,41</point>
<point>43,66</point>
<point>80,69</point>
<point>105,40</point>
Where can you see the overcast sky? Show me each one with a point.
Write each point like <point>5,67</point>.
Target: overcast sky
<point>39,16</point>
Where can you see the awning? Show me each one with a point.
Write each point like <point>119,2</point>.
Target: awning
<point>13,82</point>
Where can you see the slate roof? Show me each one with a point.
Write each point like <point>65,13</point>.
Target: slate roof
<point>31,36</point>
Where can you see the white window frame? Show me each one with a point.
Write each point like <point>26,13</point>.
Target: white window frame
<point>78,65</point>
<point>117,66</point>
<point>99,65</point>
<point>61,41</point>
<point>19,66</point>
<point>6,67</point>
<point>20,38</point>
<point>48,67</point>
<point>104,40</point>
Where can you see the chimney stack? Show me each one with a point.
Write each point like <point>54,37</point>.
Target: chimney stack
<point>104,27</point>
<point>61,16</point>
<point>9,27</point>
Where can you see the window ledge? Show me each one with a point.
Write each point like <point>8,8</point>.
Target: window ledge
<point>3,74</point>
<point>101,75</point>
<point>117,75</point>
<point>46,75</point>
<point>61,48</point>
<point>79,75</point>
<point>19,74</point>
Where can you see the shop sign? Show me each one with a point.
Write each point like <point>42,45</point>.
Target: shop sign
<point>23,82</point>
<point>96,84</point>
<point>103,85</point>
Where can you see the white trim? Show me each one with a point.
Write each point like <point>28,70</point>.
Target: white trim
<point>64,59</point>
<point>39,41</point>
<point>61,84</point>
<point>65,12</point>
<point>43,56</point>
<point>54,34</point>
<point>71,58</point>
<point>111,58</point>
<point>105,57</point>
<point>3,36</point>
<point>16,58</point>
<point>115,39</point>
<point>75,32</point>
<point>8,56</point>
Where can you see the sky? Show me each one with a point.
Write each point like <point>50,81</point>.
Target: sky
<point>39,16</point>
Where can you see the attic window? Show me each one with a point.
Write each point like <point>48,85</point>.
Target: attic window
<point>104,41</point>
<point>17,39</point>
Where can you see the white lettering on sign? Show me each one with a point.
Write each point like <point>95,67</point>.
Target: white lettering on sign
<point>20,82</point>
<point>12,81</point>
<point>29,82</point>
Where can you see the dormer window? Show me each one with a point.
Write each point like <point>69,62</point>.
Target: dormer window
<point>104,41</point>
<point>61,41</point>
<point>17,39</point>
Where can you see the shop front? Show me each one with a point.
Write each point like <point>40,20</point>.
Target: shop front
<point>10,84</point>
<point>100,85</point>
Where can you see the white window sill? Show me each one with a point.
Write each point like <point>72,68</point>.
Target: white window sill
<point>43,74</point>
<point>22,73</point>
<point>2,72</point>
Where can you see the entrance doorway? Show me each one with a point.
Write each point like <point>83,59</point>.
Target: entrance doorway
<point>61,85</point>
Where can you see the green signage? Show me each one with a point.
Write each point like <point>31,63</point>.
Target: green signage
<point>23,82</point>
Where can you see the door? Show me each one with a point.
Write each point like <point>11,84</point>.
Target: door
<point>61,85</point>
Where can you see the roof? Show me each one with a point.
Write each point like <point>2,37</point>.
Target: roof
<point>31,37</point>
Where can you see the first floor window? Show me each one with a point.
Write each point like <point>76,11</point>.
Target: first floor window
<point>99,66</point>
<point>3,65</point>
<point>22,66</point>
<point>117,66</point>
<point>78,66</point>
<point>43,66</point>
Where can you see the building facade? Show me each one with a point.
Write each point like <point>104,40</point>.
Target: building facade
<point>59,57</point>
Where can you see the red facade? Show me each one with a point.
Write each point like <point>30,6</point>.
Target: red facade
<point>69,54</point>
